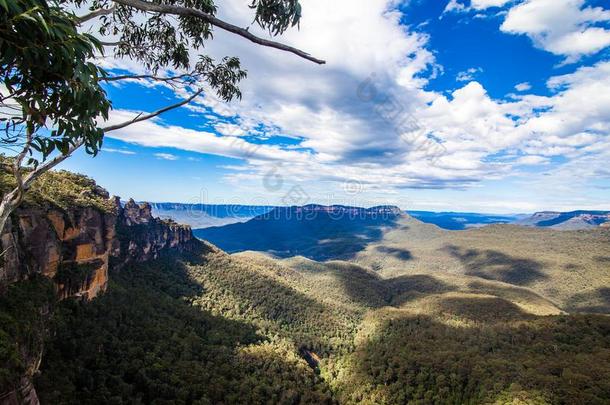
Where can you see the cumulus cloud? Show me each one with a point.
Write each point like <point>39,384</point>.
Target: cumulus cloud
<point>166,156</point>
<point>478,5</point>
<point>468,75</point>
<point>454,6</point>
<point>366,114</point>
<point>525,86</point>
<point>484,4</point>
<point>563,27</point>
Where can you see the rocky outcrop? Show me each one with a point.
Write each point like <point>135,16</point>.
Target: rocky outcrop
<point>71,247</point>
<point>142,237</point>
<point>74,248</point>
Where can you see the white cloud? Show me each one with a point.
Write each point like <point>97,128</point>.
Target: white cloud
<point>166,156</point>
<point>477,5</point>
<point>525,86</point>
<point>348,116</point>
<point>484,4</point>
<point>468,75</point>
<point>229,129</point>
<point>533,160</point>
<point>454,6</point>
<point>563,27</point>
<point>121,151</point>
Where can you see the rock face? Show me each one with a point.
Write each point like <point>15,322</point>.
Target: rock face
<point>75,248</point>
<point>141,237</point>
<point>71,247</point>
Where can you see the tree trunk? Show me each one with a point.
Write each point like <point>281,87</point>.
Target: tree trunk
<point>7,206</point>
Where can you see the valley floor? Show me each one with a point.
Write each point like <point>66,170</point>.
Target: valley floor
<point>219,328</point>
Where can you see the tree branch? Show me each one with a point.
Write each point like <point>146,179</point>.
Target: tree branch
<point>94,14</point>
<point>117,43</point>
<point>191,12</point>
<point>157,78</point>
<point>49,164</point>
<point>12,199</point>
<point>18,196</point>
<point>141,117</point>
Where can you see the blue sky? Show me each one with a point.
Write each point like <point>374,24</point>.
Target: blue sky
<point>489,106</point>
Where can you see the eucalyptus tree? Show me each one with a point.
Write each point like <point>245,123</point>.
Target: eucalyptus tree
<point>52,98</point>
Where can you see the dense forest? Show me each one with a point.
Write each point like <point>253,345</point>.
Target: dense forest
<point>216,328</point>
<point>143,342</point>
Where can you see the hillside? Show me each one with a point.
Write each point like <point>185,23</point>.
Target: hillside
<point>314,231</point>
<point>568,267</point>
<point>249,328</point>
<point>402,312</point>
<point>568,221</point>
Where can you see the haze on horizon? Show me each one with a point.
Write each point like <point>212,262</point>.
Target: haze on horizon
<point>484,106</point>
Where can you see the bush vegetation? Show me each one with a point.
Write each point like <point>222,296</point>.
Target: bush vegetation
<point>61,189</point>
<point>216,328</point>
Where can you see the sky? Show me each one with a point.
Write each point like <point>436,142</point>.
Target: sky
<point>496,106</point>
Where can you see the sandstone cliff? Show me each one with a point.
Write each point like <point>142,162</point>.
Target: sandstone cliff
<point>70,231</point>
<point>141,237</point>
<point>71,246</point>
<point>74,247</point>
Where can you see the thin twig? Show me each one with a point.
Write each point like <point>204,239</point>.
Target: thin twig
<point>135,77</point>
<point>151,115</point>
<point>192,12</point>
<point>94,14</point>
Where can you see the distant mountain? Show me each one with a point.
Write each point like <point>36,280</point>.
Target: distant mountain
<point>313,231</point>
<point>574,220</point>
<point>458,221</point>
<point>207,215</point>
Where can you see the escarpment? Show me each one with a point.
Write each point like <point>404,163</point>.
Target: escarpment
<point>142,237</point>
<point>70,246</point>
<point>75,246</point>
<point>63,239</point>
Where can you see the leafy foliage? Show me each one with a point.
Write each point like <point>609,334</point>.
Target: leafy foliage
<point>403,357</point>
<point>143,342</point>
<point>219,328</point>
<point>45,69</point>
<point>277,15</point>
<point>24,312</point>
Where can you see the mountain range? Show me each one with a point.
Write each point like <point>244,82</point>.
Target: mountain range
<point>573,220</point>
<point>314,231</point>
<point>458,221</point>
<point>207,215</point>
<point>100,302</point>
<point>200,216</point>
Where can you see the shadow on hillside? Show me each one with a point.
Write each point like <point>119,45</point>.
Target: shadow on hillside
<point>603,259</point>
<point>245,290</point>
<point>141,339</point>
<point>321,238</point>
<point>369,289</point>
<point>494,265</point>
<point>398,253</point>
<point>412,358</point>
<point>597,301</point>
<point>406,288</point>
<point>509,292</point>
